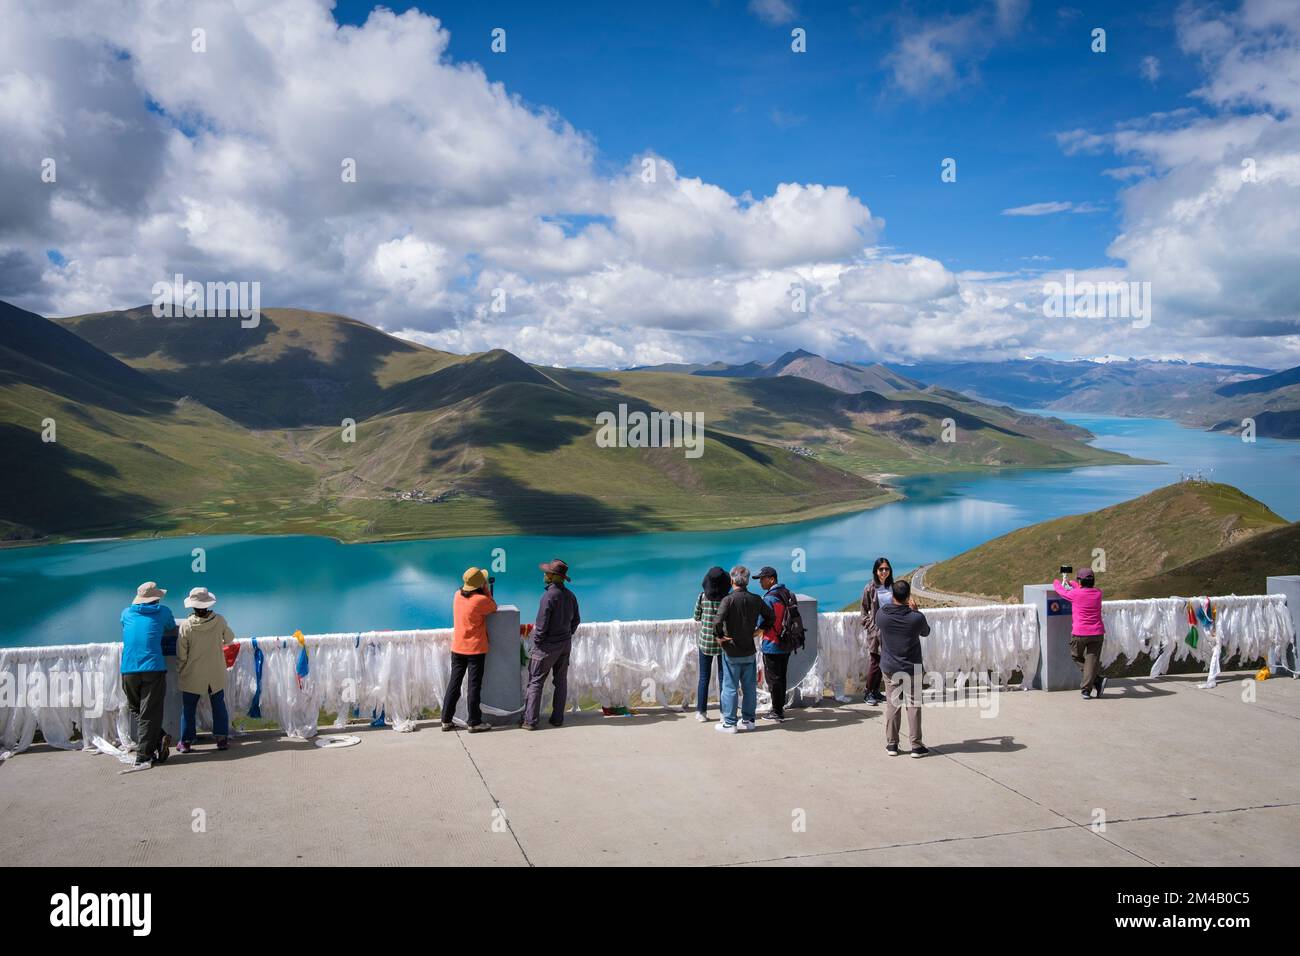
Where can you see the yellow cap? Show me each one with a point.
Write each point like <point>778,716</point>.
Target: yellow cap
<point>474,578</point>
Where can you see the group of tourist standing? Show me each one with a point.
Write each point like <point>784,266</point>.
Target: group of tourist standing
<point>150,634</point>
<point>737,624</point>
<point>557,622</point>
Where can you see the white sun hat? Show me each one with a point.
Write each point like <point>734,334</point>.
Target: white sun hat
<point>201,597</point>
<point>149,591</point>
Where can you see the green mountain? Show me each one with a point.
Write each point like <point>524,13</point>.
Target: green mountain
<point>201,425</point>
<point>1150,543</point>
<point>127,455</point>
<point>867,433</point>
<point>320,423</point>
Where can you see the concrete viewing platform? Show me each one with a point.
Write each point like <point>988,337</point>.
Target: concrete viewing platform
<point>1179,775</point>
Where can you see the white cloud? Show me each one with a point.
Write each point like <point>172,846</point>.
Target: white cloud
<point>933,56</point>
<point>463,189</point>
<point>1051,208</point>
<point>1150,68</point>
<point>774,12</point>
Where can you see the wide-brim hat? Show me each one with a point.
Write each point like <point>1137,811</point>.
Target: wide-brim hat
<point>474,578</point>
<point>556,566</point>
<point>201,598</point>
<point>149,591</point>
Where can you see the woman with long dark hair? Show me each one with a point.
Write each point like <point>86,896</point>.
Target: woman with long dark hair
<point>715,587</point>
<point>877,593</point>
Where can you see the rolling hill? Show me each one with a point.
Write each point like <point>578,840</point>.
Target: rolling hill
<point>867,433</point>
<point>319,423</point>
<point>201,425</point>
<point>1150,543</point>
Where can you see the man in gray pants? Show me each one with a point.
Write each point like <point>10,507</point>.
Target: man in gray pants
<point>902,626</point>
<point>557,622</point>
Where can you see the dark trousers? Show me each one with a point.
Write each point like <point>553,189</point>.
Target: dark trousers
<point>873,671</point>
<point>774,670</point>
<point>460,663</point>
<point>1086,652</point>
<point>145,694</point>
<point>707,666</point>
<point>542,661</point>
<point>220,716</point>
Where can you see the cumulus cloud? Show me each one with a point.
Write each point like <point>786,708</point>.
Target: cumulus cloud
<point>232,164</point>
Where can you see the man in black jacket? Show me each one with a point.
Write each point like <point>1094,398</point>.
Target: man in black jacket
<point>557,622</point>
<point>901,628</point>
<point>741,613</point>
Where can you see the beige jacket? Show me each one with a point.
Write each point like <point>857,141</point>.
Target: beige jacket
<point>199,653</point>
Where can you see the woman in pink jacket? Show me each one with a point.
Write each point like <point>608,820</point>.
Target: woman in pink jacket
<point>1088,629</point>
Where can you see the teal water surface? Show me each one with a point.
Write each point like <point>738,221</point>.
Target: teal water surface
<point>73,593</point>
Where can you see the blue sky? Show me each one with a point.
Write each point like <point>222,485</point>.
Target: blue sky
<point>718,90</point>
<point>501,200</point>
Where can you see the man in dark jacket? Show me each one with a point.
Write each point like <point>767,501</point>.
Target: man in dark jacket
<point>741,613</point>
<point>557,622</point>
<point>901,628</point>
<point>776,656</point>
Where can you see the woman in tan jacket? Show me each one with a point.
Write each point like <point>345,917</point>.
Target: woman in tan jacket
<point>201,657</point>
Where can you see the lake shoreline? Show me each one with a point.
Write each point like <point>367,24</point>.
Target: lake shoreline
<point>891,495</point>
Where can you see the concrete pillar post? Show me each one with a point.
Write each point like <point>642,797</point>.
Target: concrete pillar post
<point>1056,669</point>
<point>801,663</point>
<point>1288,584</point>
<point>503,696</point>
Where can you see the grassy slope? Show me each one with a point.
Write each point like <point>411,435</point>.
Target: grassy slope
<point>512,449</point>
<point>1242,568</point>
<point>1144,537</point>
<point>864,434</point>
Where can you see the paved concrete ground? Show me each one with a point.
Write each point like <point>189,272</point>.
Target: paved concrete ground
<point>1183,776</point>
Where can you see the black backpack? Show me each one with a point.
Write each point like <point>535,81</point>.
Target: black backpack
<point>792,633</point>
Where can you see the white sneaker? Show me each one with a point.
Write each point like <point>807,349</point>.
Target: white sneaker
<point>722,728</point>
<point>701,718</point>
<point>746,725</point>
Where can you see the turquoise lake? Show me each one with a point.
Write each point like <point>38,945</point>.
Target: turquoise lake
<point>73,593</point>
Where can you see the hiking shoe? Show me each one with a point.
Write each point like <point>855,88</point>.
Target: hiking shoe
<point>920,751</point>
<point>1100,685</point>
<point>746,725</point>
<point>223,743</point>
<point>183,747</point>
<point>556,723</point>
<point>164,748</point>
<point>874,699</point>
<point>891,749</point>
<point>772,715</point>
<point>447,727</point>
<point>1086,693</point>
<point>725,728</point>
<point>480,728</point>
<point>701,717</point>
<point>529,726</point>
